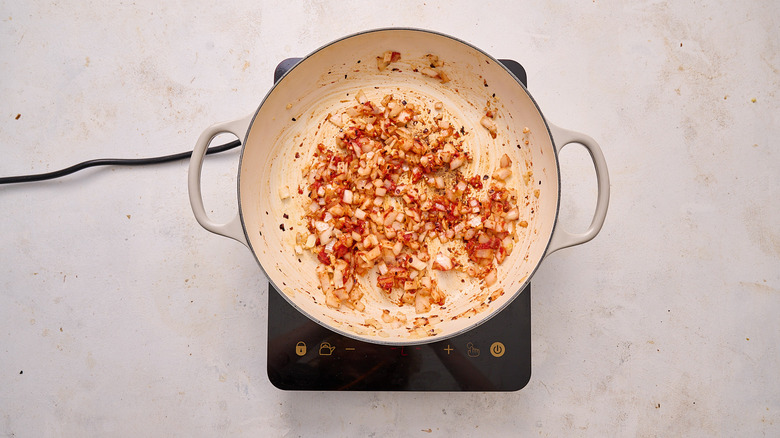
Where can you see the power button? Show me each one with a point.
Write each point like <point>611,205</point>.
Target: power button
<point>497,349</point>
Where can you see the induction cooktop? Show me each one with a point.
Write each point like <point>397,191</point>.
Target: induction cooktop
<point>494,356</point>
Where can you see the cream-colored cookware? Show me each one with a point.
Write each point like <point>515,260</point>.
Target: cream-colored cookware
<point>278,140</point>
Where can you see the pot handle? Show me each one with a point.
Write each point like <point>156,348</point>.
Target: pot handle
<point>233,228</point>
<point>564,239</point>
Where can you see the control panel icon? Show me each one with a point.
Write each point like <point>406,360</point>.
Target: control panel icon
<point>497,349</point>
<point>471,350</point>
<point>326,349</point>
<point>300,348</point>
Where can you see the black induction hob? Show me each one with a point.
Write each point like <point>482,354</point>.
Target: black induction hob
<point>303,355</point>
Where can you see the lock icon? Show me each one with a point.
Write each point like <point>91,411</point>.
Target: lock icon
<point>300,348</point>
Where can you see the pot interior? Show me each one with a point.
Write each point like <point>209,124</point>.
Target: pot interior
<point>292,120</point>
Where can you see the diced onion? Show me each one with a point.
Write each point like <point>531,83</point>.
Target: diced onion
<point>457,162</point>
<point>422,303</point>
<point>442,262</point>
<point>338,279</point>
<point>491,278</point>
<point>321,226</point>
<point>502,173</point>
<point>361,97</point>
<point>418,264</point>
<point>374,253</point>
<point>390,218</point>
<point>325,236</point>
<point>505,161</point>
<point>347,197</point>
<point>483,253</point>
<point>329,246</point>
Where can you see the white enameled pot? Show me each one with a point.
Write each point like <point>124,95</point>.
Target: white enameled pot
<point>277,143</point>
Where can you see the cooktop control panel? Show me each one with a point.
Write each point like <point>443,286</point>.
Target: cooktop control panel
<point>303,355</point>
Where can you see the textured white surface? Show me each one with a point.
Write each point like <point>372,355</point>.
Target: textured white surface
<point>120,316</point>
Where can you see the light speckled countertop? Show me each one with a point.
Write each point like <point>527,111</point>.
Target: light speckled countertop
<point>120,315</point>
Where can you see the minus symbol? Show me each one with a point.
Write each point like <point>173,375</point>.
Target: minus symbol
<point>350,348</point>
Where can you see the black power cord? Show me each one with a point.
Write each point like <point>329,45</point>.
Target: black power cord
<point>114,162</point>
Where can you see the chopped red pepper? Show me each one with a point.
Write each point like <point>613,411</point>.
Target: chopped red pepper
<point>323,258</point>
